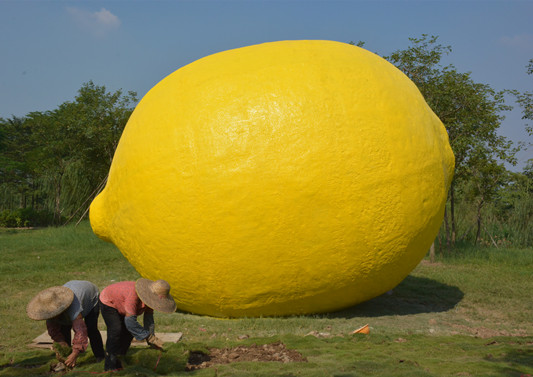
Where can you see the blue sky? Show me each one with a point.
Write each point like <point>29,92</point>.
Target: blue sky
<point>50,48</point>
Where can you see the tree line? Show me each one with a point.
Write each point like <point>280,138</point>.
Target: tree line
<point>53,163</point>
<point>487,202</point>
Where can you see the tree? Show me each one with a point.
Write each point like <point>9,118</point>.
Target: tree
<point>516,204</point>
<point>525,100</point>
<point>470,111</point>
<point>487,177</point>
<point>102,116</point>
<point>16,173</point>
<point>89,128</point>
<point>63,155</point>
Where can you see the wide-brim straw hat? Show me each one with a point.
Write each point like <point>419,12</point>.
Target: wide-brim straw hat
<point>155,295</point>
<point>50,303</point>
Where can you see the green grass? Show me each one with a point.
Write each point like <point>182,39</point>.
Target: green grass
<point>467,314</point>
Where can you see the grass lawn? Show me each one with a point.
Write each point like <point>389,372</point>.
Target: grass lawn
<point>468,314</point>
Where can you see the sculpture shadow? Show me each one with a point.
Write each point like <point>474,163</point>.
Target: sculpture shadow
<point>413,295</point>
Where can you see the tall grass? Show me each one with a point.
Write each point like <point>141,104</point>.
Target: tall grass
<point>507,222</point>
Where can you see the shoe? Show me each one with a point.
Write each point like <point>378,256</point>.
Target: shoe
<point>112,363</point>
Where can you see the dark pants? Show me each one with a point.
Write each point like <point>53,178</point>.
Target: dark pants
<point>118,337</point>
<point>95,338</point>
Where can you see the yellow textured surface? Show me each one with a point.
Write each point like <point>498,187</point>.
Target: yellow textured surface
<point>284,178</point>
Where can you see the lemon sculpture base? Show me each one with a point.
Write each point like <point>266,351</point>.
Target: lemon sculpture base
<point>283,178</point>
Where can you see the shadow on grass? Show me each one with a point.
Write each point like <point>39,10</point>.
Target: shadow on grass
<point>31,366</point>
<point>172,360</point>
<point>30,362</point>
<point>520,362</point>
<point>412,296</point>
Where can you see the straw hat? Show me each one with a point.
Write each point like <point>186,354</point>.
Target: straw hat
<point>50,302</point>
<point>156,295</point>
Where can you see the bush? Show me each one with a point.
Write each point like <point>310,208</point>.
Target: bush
<point>25,217</point>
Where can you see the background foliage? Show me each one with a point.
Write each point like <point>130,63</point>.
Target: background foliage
<point>53,163</point>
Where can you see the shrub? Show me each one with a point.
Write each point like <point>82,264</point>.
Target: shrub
<point>25,217</point>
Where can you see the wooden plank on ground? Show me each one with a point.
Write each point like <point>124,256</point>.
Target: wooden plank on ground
<point>44,340</point>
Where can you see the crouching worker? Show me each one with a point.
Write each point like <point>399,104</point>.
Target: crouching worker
<point>71,306</point>
<point>121,303</point>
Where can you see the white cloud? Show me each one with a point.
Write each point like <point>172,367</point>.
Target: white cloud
<point>97,23</point>
<point>523,42</point>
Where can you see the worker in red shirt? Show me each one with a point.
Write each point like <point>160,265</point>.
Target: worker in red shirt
<point>121,303</point>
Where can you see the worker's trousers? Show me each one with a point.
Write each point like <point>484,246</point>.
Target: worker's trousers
<point>95,338</point>
<point>118,337</point>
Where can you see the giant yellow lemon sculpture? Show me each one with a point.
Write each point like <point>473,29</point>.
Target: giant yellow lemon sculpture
<point>283,178</point>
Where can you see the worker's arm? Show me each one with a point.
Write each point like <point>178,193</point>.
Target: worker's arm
<point>135,328</point>
<point>54,330</point>
<point>149,325</point>
<point>81,338</point>
<point>140,333</point>
<point>148,321</point>
<point>80,341</point>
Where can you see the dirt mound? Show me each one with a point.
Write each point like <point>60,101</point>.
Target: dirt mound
<point>265,352</point>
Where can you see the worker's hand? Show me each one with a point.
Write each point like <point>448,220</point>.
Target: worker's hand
<point>71,359</point>
<point>154,341</point>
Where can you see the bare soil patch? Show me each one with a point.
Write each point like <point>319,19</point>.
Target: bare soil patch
<point>266,352</point>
